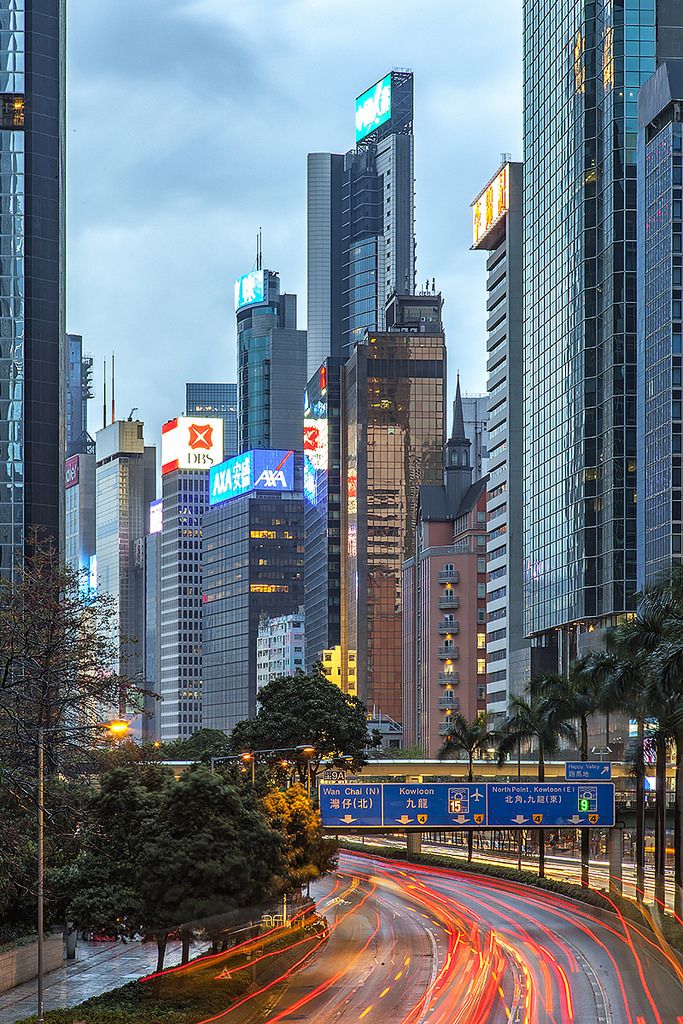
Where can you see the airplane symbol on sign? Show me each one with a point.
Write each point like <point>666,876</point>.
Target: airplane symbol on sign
<point>477,795</point>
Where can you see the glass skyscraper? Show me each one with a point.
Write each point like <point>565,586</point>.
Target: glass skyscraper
<point>660,321</point>
<point>361,222</point>
<point>78,392</point>
<point>271,362</point>
<point>583,66</point>
<point>392,441</point>
<point>215,400</point>
<point>32,73</point>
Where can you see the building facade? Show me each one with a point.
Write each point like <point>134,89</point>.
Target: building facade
<point>215,401</point>
<point>392,441</point>
<point>660,322</point>
<point>252,566</point>
<point>361,222</point>
<point>151,725</point>
<point>271,361</point>
<point>476,418</point>
<point>279,647</point>
<point>32,328</point>
<point>444,606</point>
<point>125,486</point>
<point>78,392</point>
<point>79,516</point>
<point>322,510</point>
<point>580,355</point>
<point>497,230</point>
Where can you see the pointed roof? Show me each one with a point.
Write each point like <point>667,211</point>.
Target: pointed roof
<point>458,432</point>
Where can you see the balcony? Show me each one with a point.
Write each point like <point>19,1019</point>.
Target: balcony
<point>449,600</point>
<point>449,677</point>
<point>443,727</point>
<point>449,652</point>
<point>449,576</point>
<point>449,703</point>
<point>448,627</point>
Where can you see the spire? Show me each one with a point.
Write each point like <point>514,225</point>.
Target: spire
<point>458,433</point>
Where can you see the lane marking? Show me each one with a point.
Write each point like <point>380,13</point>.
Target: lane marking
<point>382,994</point>
<point>400,975</point>
<point>366,1011</point>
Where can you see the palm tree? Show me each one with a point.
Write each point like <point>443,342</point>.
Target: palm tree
<point>470,738</point>
<point>540,720</point>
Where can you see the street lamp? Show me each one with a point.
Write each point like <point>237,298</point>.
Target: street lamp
<point>248,757</point>
<point>117,728</point>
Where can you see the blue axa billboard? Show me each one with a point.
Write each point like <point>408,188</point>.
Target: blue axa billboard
<point>262,469</point>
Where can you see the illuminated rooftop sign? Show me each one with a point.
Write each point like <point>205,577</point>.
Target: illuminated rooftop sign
<point>373,107</point>
<point>189,443</point>
<point>491,205</point>
<point>156,516</point>
<point>250,289</point>
<point>260,470</point>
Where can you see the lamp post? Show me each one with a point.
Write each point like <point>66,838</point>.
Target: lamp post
<point>116,728</point>
<point>306,750</point>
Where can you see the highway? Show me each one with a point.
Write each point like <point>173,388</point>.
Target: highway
<point>411,945</point>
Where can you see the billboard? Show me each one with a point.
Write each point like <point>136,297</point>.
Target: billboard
<point>156,515</point>
<point>373,107</point>
<point>71,472</point>
<point>191,443</point>
<point>250,288</point>
<point>491,205</point>
<point>263,469</point>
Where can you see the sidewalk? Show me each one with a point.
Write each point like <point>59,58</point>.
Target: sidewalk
<point>99,967</point>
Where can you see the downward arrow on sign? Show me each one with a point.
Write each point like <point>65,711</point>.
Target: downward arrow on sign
<point>575,819</point>
<point>520,819</point>
<point>404,819</point>
<point>347,819</point>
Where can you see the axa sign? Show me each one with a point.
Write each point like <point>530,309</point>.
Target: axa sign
<point>259,470</point>
<point>188,443</point>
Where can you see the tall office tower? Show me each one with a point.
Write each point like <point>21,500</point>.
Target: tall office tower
<point>497,230</point>
<point>271,364</point>
<point>361,222</point>
<point>476,418</point>
<point>151,725</point>
<point>32,148</point>
<point>322,510</point>
<point>252,566</point>
<point>660,328</point>
<point>393,391</point>
<point>215,400</point>
<point>79,517</point>
<point>580,131</point>
<point>189,447</point>
<point>79,391</point>
<point>444,600</point>
<point>125,486</point>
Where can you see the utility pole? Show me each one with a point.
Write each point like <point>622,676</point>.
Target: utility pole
<point>41,873</point>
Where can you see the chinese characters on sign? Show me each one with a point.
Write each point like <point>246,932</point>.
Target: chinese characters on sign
<point>490,206</point>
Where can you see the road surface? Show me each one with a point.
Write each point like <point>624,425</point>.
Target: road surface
<point>411,945</point>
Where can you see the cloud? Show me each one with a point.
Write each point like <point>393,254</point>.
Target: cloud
<point>189,125</point>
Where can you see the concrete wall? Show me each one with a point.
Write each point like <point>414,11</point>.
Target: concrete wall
<point>20,965</point>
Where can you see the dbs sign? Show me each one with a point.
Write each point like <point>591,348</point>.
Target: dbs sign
<point>188,443</point>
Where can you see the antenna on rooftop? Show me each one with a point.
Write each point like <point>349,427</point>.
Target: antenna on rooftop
<point>259,250</point>
<point>104,397</point>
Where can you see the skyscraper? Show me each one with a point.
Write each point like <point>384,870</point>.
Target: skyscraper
<point>32,79</point>
<point>252,566</point>
<point>392,441</point>
<point>583,67</point>
<point>497,230</point>
<point>213,400</point>
<point>78,392</point>
<point>660,322</point>
<point>126,484</point>
<point>361,222</point>
<point>322,509</point>
<point>271,362</point>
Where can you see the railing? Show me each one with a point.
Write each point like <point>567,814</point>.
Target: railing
<point>448,627</point>
<point>449,652</point>
<point>449,677</point>
<point>449,600</point>
<point>449,576</point>
<point>449,702</point>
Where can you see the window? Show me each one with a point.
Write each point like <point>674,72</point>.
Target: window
<point>481,590</point>
<point>481,666</point>
<point>481,565</point>
<point>481,641</point>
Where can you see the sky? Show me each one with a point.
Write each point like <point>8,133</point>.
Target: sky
<point>188,126</point>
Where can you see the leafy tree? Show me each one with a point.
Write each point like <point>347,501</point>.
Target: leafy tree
<point>470,738</point>
<point>538,720</point>
<point>303,709</point>
<point>307,855</point>
<point>201,746</point>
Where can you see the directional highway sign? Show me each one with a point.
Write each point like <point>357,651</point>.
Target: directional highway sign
<point>467,805</point>
<point>588,771</point>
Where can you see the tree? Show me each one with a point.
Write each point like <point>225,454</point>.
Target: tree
<point>538,720</point>
<point>306,854</point>
<point>201,746</point>
<point>470,738</point>
<point>168,854</point>
<point>303,709</point>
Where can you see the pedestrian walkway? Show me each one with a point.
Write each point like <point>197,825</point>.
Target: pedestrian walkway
<point>98,967</point>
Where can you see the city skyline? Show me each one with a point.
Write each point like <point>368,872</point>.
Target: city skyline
<point>126,208</point>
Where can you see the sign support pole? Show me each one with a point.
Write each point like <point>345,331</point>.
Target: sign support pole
<point>413,843</point>
<point>615,846</point>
